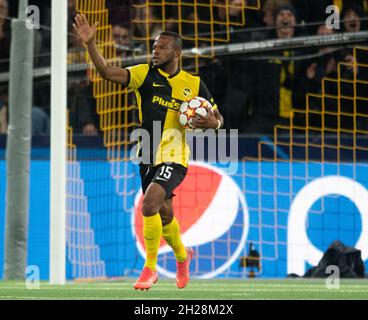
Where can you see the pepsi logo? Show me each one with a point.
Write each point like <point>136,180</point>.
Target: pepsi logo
<point>213,218</point>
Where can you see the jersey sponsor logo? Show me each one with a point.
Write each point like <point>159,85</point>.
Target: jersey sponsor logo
<point>170,104</point>
<point>187,92</point>
<point>210,208</point>
<point>155,84</point>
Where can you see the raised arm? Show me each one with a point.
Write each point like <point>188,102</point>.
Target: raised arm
<point>88,35</point>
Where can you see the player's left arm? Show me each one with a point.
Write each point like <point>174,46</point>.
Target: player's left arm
<point>213,119</point>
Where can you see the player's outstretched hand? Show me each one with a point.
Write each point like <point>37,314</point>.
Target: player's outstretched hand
<point>84,30</point>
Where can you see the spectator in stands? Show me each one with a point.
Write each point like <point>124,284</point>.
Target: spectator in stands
<point>230,79</point>
<point>268,10</point>
<point>81,103</point>
<point>344,4</point>
<point>351,22</point>
<point>82,107</point>
<point>143,29</point>
<point>310,76</point>
<point>285,21</point>
<point>235,18</point>
<point>351,17</point>
<point>40,119</point>
<point>76,51</point>
<point>276,78</point>
<point>323,66</point>
<point>4,36</point>
<point>122,37</point>
<point>315,10</point>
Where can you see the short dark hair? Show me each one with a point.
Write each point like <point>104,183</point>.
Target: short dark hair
<point>177,38</point>
<point>353,7</point>
<point>287,7</point>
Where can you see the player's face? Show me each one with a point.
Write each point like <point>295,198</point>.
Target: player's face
<point>163,51</point>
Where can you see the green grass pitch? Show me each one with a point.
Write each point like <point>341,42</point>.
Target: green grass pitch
<point>196,290</point>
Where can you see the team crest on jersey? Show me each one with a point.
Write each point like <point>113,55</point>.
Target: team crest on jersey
<point>187,93</point>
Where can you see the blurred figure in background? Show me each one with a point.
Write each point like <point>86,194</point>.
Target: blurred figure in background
<point>231,79</point>
<point>40,119</point>
<point>315,70</point>
<point>122,37</point>
<point>268,10</point>
<point>81,102</point>
<point>311,73</point>
<point>144,26</point>
<point>76,50</point>
<point>351,22</point>
<point>344,4</point>
<point>276,79</point>
<point>351,18</point>
<point>82,107</point>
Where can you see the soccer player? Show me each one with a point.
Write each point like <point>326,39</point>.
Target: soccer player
<point>160,88</point>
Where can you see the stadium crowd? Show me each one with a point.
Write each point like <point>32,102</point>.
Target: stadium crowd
<point>254,93</point>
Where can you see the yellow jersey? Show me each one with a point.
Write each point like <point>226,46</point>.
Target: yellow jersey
<point>159,96</point>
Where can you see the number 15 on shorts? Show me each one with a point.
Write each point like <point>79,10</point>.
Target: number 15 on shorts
<point>165,173</point>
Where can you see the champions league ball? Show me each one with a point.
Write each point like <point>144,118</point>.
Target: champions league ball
<point>190,109</point>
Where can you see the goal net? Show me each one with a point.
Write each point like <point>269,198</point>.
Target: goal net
<point>268,219</point>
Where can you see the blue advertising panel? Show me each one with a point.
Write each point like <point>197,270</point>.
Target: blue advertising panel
<point>289,212</point>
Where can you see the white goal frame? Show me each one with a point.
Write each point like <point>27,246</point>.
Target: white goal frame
<point>58,142</point>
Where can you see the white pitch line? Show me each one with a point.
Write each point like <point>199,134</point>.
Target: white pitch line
<point>168,287</point>
<point>245,285</point>
<point>66,298</point>
<point>87,298</point>
<point>172,285</point>
<point>191,286</point>
<point>158,289</point>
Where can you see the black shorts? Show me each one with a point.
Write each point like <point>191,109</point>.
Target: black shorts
<point>168,176</point>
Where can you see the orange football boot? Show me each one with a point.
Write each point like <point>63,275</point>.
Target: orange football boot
<point>182,270</point>
<point>147,278</point>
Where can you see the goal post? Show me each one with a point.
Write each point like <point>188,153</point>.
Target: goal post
<point>58,141</point>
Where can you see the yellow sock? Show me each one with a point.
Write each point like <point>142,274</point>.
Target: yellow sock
<point>171,234</point>
<point>152,230</point>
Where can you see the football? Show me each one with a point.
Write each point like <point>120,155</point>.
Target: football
<point>190,109</point>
